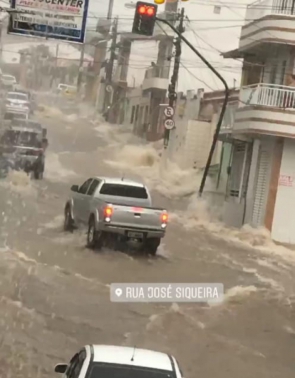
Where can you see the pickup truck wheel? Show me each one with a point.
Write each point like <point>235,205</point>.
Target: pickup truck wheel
<point>94,237</point>
<point>151,246</point>
<point>69,221</point>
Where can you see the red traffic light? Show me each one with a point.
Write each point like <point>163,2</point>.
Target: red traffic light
<point>142,10</point>
<point>144,18</point>
<point>150,11</point>
<point>146,10</point>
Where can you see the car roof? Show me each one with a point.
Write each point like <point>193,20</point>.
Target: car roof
<point>16,92</point>
<point>120,181</point>
<point>122,355</point>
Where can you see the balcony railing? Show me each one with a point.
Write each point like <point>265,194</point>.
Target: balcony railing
<point>276,96</point>
<point>263,8</point>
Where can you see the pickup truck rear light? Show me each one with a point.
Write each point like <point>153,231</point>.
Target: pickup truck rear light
<point>164,219</point>
<point>108,212</point>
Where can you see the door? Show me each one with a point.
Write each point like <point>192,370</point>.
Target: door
<point>79,198</point>
<point>88,200</point>
<point>262,184</point>
<point>76,365</point>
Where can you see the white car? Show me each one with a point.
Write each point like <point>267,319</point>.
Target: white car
<point>17,102</point>
<point>94,361</point>
<point>8,80</point>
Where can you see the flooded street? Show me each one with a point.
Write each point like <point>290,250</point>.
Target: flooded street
<point>55,294</point>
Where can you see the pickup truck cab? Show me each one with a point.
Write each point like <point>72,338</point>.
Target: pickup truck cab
<point>115,210</point>
<point>94,361</point>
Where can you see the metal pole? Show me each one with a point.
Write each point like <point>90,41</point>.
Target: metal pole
<point>219,123</point>
<point>110,9</point>
<point>110,66</point>
<point>79,78</point>
<point>174,77</point>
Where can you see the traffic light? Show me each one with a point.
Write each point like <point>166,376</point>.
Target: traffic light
<point>164,1</point>
<point>144,18</point>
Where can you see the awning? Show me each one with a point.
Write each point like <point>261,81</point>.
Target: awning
<point>233,54</point>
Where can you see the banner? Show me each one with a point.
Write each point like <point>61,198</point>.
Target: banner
<point>57,19</point>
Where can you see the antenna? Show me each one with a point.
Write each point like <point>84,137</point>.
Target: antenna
<point>132,358</point>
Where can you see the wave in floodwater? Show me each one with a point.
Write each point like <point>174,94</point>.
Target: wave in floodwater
<point>19,183</point>
<point>55,171</point>
<point>145,161</point>
<point>43,323</point>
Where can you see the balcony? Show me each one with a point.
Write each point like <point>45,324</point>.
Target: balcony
<point>266,109</point>
<point>153,79</point>
<point>270,21</point>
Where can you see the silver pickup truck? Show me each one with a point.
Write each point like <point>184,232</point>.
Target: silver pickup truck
<point>115,210</point>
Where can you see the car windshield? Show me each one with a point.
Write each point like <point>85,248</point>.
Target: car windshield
<point>17,96</point>
<point>24,138</point>
<point>99,370</point>
<point>7,77</point>
<point>120,190</point>
<point>12,116</point>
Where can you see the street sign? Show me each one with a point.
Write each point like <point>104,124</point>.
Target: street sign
<point>63,20</point>
<point>169,124</point>
<point>169,111</point>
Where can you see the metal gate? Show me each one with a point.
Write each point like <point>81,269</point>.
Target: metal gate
<point>262,184</point>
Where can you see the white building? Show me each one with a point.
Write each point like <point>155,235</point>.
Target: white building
<point>261,188</point>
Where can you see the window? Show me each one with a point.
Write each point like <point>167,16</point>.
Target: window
<point>17,96</point>
<point>76,365</point>
<point>121,190</point>
<point>93,187</point>
<point>9,116</point>
<point>132,114</point>
<point>273,72</point>
<point>114,371</point>
<point>217,9</point>
<point>240,168</point>
<point>283,72</point>
<point>83,188</point>
<point>136,113</point>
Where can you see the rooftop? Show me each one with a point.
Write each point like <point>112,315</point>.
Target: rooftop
<point>123,355</point>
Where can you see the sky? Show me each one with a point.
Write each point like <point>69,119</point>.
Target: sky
<point>211,33</point>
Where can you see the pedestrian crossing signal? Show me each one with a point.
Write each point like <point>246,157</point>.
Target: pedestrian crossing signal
<point>144,18</point>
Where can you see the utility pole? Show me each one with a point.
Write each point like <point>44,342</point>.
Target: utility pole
<point>174,78</point>
<point>225,101</point>
<point>110,68</point>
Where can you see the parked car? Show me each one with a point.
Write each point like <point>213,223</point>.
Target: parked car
<point>116,211</point>
<point>95,361</point>
<point>8,81</point>
<point>67,91</point>
<point>24,146</point>
<point>17,102</point>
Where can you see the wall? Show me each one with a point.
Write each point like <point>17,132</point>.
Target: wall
<point>278,30</point>
<point>283,227</point>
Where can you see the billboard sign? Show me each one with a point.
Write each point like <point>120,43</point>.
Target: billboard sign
<point>57,19</point>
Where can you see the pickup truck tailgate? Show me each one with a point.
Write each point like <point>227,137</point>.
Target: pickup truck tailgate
<point>136,217</point>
